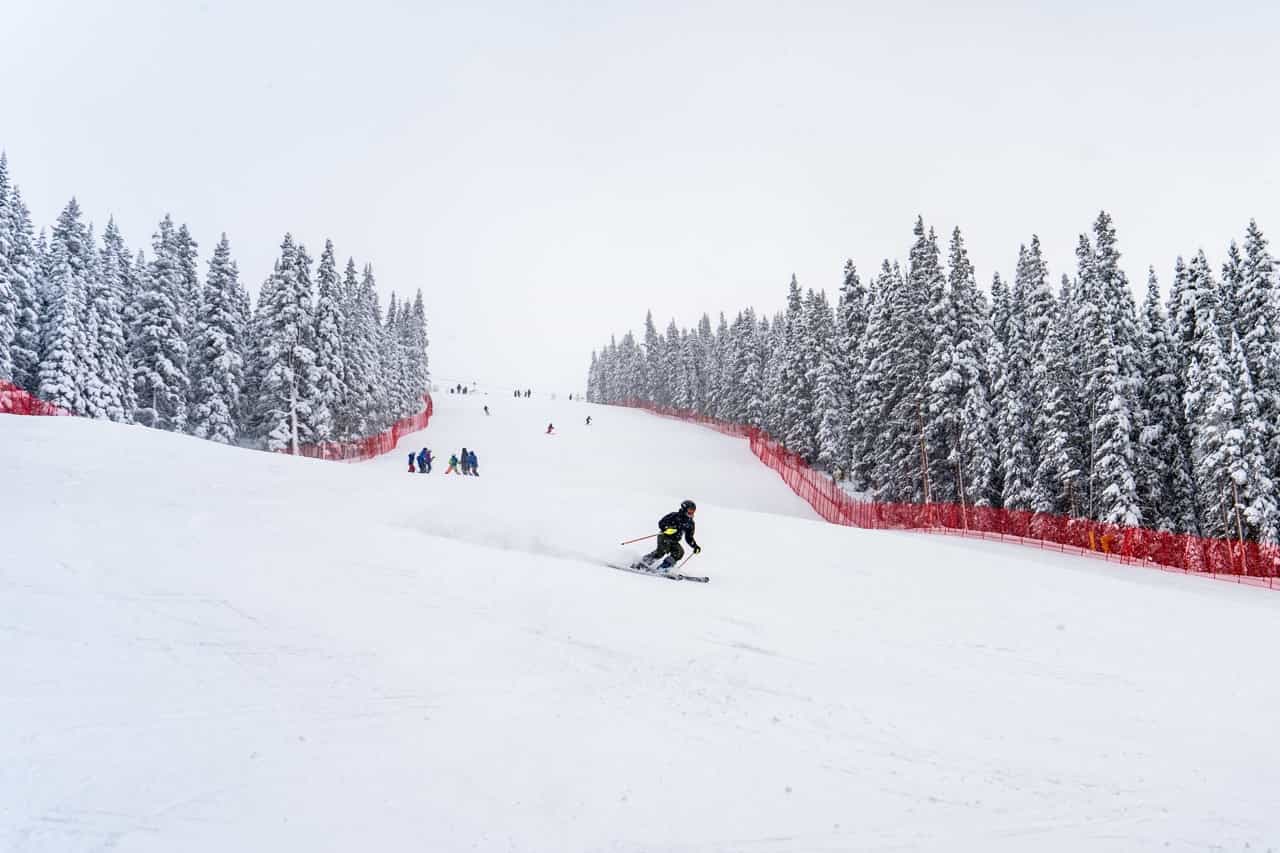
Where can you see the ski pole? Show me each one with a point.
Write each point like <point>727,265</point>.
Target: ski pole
<point>641,539</point>
<point>686,560</point>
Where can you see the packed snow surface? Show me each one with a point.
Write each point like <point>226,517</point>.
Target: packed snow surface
<point>210,649</point>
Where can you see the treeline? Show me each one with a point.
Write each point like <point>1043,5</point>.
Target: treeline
<point>921,387</point>
<point>90,327</point>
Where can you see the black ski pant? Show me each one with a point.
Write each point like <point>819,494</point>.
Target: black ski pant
<point>667,545</point>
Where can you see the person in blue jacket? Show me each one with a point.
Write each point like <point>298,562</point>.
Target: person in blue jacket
<point>411,462</point>
<point>471,463</point>
<point>424,461</point>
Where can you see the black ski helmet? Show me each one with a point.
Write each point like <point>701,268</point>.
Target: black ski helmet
<point>685,506</point>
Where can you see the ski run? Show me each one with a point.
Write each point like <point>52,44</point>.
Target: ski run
<point>209,649</point>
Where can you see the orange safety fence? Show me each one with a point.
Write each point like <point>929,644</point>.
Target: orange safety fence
<point>15,401</point>
<point>1244,562</point>
<point>373,445</point>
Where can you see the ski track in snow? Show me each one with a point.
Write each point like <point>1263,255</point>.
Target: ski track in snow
<point>210,649</point>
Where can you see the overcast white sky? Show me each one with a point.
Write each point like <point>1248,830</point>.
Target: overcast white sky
<point>546,172</point>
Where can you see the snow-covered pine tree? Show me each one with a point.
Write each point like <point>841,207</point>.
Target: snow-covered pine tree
<point>1217,444</point>
<point>593,379</point>
<point>668,377</point>
<point>328,339</point>
<point>109,392</point>
<point>716,388</point>
<point>957,413</point>
<point>654,361</point>
<point>748,370</point>
<point>706,341</point>
<point>1258,323</point>
<point>367,411</point>
<point>284,362</point>
<point>1166,489</point>
<point>217,361</point>
<point>632,375</point>
<point>8,300</point>
<point>1108,336</point>
<point>159,343</point>
<point>795,396</point>
<point>1230,293</point>
<point>68,362</point>
<point>1001,310</point>
<point>186,248</point>
<point>837,383</point>
<point>1256,496</point>
<point>1012,395</point>
<point>900,464</point>
<point>413,337</point>
<point>409,401</point>
<point>1059,486</point>
<point>389,359</point>
<point>25,345</point>
<point>868,411</point>
<point>815,341</point>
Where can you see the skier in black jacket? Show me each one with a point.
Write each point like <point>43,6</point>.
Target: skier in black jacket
<point>671,526</point>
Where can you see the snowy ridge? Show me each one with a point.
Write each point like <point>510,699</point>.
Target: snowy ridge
<point>207,649</point>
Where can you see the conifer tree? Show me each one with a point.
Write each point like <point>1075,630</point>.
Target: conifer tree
<point>1166,488</point>
<point>1058,488</point>
<point>1255,497</point>
<point>8,299</point>
<point>159,343</point>
<point>284,362</point>
<point>654,362</point>
<point>328,336</point>
<point>1258,322</point>
<point>217,360</point>
<point>188,295</point>
<point>1108,335</point>
<point>25,344</point>
<point>109,391</point>
<point>67,362</point>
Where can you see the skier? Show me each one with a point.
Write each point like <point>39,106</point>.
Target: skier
<point>453,465</point>
<point>486,411</point>
<point>588,420</point>
<point>471,464</point>
<point>411,471</point>
<point>465,460</point>
<point>671,526</point>
<point>424,461</point>
<point>550,428</point>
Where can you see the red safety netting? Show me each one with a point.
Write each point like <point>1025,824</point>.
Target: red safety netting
<point>373,445</point>
<point>1243,562</point>
<point>15,401</point>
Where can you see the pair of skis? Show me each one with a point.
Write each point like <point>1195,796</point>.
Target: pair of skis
<point>671,576</point>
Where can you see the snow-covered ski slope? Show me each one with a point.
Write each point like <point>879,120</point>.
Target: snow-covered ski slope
<point>210,649</point>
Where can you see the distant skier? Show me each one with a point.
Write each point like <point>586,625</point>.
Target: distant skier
<point>465,459</point>
<point>453,465</point>
<point>486,411</point>
<point>472,464</point>
<point>551,428</point>
<point>588,420</point>
<point>411,470</point>
<point>424,461</point>
<point>670,527</point>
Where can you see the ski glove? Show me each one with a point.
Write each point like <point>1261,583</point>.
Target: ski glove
<point>670,531</point>
<point>697,549</point>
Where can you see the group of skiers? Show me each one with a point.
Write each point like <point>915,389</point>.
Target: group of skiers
<point>525,393</point>
<point>463,463</point>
